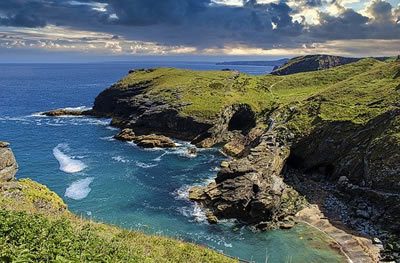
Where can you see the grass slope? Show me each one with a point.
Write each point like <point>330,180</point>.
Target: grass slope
<point>35,226</point>
<point>356,92</point>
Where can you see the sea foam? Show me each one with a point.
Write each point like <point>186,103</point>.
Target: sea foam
<point>78,190</point>
<point>67,164</point>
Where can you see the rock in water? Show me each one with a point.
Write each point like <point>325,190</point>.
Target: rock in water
<point>153,140</point>
<point>145,141</point>
<point>67,112</point>
<point>126,134</point>
<point>8,164</point>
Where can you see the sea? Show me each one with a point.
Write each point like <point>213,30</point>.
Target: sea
<point>119,183</point>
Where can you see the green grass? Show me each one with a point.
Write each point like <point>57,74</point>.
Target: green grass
<point>350,92</point>
<point>35,226</point>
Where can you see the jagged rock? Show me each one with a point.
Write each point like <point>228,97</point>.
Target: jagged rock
<point>196,193</point>
<point>153,140</point>
<point>146,141</point>
<point>8,164</point>
<point>126,134</point>
<point>211,218</point>
<point>251,188</point>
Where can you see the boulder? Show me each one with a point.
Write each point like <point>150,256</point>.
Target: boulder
<point>125,135</point>
<point>8,164</point>
<point>145,141</point>
<point>153,140</point>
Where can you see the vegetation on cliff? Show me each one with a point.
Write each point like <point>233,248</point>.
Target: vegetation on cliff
<point>355,92</point>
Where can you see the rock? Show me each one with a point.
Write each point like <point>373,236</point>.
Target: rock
<point>192,151</point>
<point>8,164</point>
<point>211,218</point>
<point>125,135</point>
<point>196,193</point>
<point>67,112</point>
<point>251,189</point>
<point>224,164</point>
<point>153,140</point>
<point>145,141</point>
<point>343,180</point>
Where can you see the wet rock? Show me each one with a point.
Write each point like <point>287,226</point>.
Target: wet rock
<point>145,141</point>
<point>196,193</point>
<point>211,218</point>
<point>153,140</point>
<point>126,134</point>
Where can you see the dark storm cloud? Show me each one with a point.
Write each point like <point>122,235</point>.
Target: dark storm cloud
<point>202,23</point>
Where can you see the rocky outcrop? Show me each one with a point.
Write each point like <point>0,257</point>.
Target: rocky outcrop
<point>311,63</point>
<point>67,112</point>
<point>251,188</point>
<point>145,141</point>
<point>8,164</point>
<point>130,107</point>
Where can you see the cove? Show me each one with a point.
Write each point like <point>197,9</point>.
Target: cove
<point>121,183</point>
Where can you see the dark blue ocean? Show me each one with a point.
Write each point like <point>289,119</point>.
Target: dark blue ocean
<point>117,182</point>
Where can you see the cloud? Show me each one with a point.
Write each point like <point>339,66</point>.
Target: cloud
<point>198,25</point>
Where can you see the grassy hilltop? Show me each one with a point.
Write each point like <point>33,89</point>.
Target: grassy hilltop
<point>356,92</point>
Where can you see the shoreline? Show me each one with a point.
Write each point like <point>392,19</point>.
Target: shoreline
<point>353,247</point>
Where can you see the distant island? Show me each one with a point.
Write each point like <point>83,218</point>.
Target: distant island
<point>260,63</point>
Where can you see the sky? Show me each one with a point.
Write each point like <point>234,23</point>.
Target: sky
<point>95,30</point>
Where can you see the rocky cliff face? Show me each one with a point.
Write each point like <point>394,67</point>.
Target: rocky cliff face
<point>362,160</point>
<point>312,63</point>
<point>251,188</point>
<point>132,108</point>
<point>8,165</point>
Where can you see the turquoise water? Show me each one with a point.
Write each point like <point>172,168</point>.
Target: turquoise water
<point>117,182</point>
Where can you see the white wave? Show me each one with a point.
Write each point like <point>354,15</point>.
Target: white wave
<point>157,159</point>
<point>67,164</point>
<point>79,108</point>
<point>108,138</point>
<point>119,159</point>
<point>195,212</point>
<point>111,128</point>
<point>144,165</point>
<point>78,190</point>
<point>182,193</point>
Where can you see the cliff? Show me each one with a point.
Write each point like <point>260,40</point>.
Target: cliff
<point>334,126</point>
<point>311,63</point>
<point>36,226</point>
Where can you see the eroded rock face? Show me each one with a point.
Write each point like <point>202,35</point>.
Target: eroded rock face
<point>8,164</point>
<point>363,161</point>
<point>251,188</point>
<point>131,108</point>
